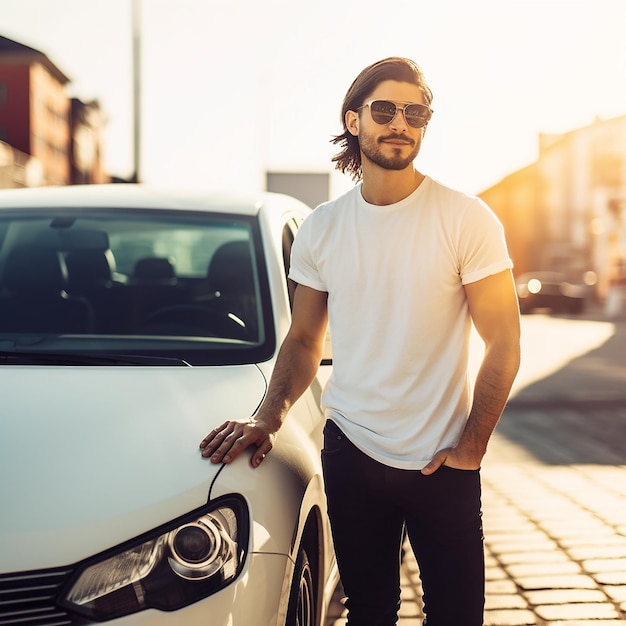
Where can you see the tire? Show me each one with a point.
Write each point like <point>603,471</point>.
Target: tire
<point>301,610</point>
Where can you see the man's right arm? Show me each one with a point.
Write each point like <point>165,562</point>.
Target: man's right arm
<point>296,365</point>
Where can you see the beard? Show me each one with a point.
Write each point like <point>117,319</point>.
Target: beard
<point>370,149</point>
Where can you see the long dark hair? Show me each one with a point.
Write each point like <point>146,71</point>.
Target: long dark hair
<point>399,69</point>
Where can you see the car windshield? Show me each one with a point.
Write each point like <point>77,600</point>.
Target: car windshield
<point>148,283</point>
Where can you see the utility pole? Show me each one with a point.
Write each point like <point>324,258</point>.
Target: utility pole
<point>136,77</point>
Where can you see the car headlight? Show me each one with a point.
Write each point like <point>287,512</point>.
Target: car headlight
<point>177,565</point>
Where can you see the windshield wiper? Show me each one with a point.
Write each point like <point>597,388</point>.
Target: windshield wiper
<point>9,357</point>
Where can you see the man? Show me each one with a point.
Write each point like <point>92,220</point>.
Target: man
<point>401,266</point>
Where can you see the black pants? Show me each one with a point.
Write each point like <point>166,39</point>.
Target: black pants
<point>370,505</point>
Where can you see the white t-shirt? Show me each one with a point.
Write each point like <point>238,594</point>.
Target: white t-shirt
<point>398,315</point>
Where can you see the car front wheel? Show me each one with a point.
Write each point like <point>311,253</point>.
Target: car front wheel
<point>301,611</point>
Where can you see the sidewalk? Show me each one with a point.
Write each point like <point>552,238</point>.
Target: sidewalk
<point>555,545</point>
<point>555,540</point>
<point>554,502</point>
<point>554,483</point>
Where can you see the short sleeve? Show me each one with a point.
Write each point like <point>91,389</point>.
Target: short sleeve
<point>482,244</point>
<point>304,268</point>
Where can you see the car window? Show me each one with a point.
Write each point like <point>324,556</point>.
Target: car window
<point>151,282</point>
<point>289,233</point>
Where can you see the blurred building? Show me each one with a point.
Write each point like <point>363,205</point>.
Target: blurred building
<point>16,168</point>
<point>37,120</point>
<point>567,211</point>
<point>85,150</point>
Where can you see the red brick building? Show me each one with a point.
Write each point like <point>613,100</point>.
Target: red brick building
<point>37,118</point>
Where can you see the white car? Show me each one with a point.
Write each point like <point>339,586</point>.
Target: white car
<point>132,322</point>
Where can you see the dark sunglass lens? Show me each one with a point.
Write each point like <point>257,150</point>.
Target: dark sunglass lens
<point>382,111</point>
<point>417,115</point>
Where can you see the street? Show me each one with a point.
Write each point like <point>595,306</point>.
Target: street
<point>554,484</point>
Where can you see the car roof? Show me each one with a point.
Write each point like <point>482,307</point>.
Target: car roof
<point>130,195</point>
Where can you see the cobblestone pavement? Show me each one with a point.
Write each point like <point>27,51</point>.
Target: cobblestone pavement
<point>554,503</point>
<point>555,544</point>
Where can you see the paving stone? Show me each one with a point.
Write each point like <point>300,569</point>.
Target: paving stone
<point>586,622</point>
<point>571,542</point>
<point>495,531</point>
<point>564,596</point>
<point>597,552</point>
<point>410,609</point>
<point>520,545</point>
<point>611,477</point>
<point>410,569</point>
<point>505,601</point>
<point>577,611</point>
<point>504,518</point>
<point>553,556</point>
<point>611,578</point>
<point>407,593</point>
<point>550,510</point>
<point>576,529</point>
<point>500,586</point>
<point>501,514</point>
<point>509,617</point>
<point>529,569</point>
<point>411,583</point>
<point>579,581</point>
<point>605,565</point>
<point>495,573</point>
<point>616,592</point>
<point>536,536</point>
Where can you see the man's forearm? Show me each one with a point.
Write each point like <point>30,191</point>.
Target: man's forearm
<point>295,369</point>
<point>491,391</point>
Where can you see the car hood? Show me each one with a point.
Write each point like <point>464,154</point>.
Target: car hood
<point>93,456</point>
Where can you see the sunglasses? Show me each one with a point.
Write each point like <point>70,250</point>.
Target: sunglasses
<point>385,111</point>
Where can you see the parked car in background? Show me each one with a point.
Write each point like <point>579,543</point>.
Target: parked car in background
<point>132,322</point>
<point>550,290</point>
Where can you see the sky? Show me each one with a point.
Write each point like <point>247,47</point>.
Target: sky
<point>232,88</point>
